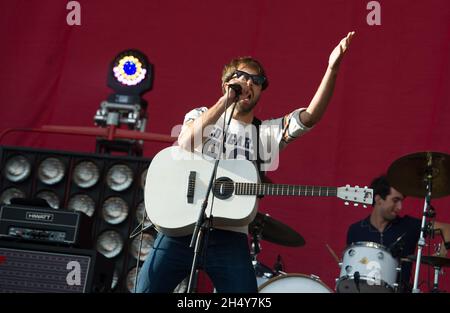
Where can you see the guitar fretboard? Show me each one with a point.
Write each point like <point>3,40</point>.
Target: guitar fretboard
<point>283,190</point>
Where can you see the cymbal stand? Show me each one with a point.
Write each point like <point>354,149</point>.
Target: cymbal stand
<point>437,272</point>
<point>255,246</point>
<point>424,229</point>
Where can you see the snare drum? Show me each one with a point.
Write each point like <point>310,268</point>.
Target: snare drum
<point>294,283</point>
<point>367,267</point>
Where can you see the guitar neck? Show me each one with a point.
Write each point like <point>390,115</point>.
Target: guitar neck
<point>283,190</point>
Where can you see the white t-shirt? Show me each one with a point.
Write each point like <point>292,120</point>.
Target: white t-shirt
<point>241,140</point>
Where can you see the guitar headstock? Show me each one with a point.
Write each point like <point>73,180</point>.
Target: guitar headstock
<point>356,195</point>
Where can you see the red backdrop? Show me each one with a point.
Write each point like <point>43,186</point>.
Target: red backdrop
<point>391,99</point>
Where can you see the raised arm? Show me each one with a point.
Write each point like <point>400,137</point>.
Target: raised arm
<point>322,97</point>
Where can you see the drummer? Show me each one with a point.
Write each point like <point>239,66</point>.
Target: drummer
<point>386,227</point>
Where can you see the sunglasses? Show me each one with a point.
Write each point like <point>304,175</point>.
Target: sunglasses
<point>256,79</point>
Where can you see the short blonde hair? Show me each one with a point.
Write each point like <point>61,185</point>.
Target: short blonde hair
<point>231,67</point>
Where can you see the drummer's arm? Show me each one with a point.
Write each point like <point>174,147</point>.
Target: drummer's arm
<point>445,234</point>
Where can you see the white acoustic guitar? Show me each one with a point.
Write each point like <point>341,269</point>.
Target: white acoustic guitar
<point>177,182</point>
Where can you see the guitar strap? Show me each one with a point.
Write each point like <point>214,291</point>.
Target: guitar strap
<point>259,161</point>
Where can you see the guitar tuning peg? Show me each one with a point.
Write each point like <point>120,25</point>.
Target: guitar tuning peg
<point>347,187</point>
<point>356,187</point>
<point>364,206</point>
<point>355,204</point>
<point>346,203</point>
<point>365,187</point>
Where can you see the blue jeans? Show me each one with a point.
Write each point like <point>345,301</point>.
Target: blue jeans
<point>227,262</point>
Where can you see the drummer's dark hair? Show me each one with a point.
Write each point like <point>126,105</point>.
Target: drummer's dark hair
<point>381,187</point>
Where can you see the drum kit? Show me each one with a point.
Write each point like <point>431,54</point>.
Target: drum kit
<point>366,267</point>
<point>370,267</point>
<point>267,228</point>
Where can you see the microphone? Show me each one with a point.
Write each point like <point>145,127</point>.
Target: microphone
<point>237,89</point>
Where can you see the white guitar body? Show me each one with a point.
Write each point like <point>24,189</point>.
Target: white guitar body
<point>166,185</point>
<point>177,182</point>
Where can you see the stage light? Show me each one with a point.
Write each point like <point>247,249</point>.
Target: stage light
<point>115,279</point>
<point>115,210</point>
<point>108,189</point>
<point>131,278</point>
<point>119,177</point>
<point>143,178</point>
<point>49,196</point>
<point>82,203</point>
<point>86,174</point>
<point>17,169</point>
<point>140,213</point>
<point>110,243</point>
<point>130,73</point>
<point>11,193</point>
<point>147,242</point>
<point>51,171</point>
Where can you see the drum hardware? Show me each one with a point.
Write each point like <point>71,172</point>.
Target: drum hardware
<point>269,229</point>
<point>437,262</point>
<point>262,272</point>
<point>424,175</point>
<point>264,227</point>
<point>367,267</point>
<point>334,255</point>
<point>437,272</point>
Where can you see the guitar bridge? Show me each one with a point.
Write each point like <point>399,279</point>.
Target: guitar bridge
<point>191,187</point>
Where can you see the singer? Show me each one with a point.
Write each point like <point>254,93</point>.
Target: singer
<point>226,257</point>
<point>385,226</point>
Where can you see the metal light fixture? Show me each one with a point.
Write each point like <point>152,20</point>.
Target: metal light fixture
<point>86,174</point>
<point>17,169</point>
<point>11,193</point>
<point>115,210</point>
<point>147,242</point>
<point>143,179</point>
<point>131,278</point>
<point>119,177</point>
<point>49,196</point>
<point>130,75</point>
<point>82,203</point>
<point>110,243</point>
<point>51,171</point>
<point>140,213</point>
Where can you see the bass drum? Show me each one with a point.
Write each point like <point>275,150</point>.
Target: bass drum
<point>368,267</point>
<point>294,283</point>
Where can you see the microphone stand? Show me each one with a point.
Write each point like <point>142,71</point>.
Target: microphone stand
<point>423,227</point>
<point>203,224</point>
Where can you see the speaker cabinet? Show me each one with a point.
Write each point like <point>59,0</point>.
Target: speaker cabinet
<point>41,268</point>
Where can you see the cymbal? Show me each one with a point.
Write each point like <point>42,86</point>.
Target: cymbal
<point>267,228</point>
<point>437,261</point>
<point>408,174</point>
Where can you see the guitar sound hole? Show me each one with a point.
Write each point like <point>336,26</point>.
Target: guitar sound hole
<point>223,188</point>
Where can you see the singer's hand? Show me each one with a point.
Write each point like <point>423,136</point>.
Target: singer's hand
<point>230,93</point>
<point>339,51</point>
